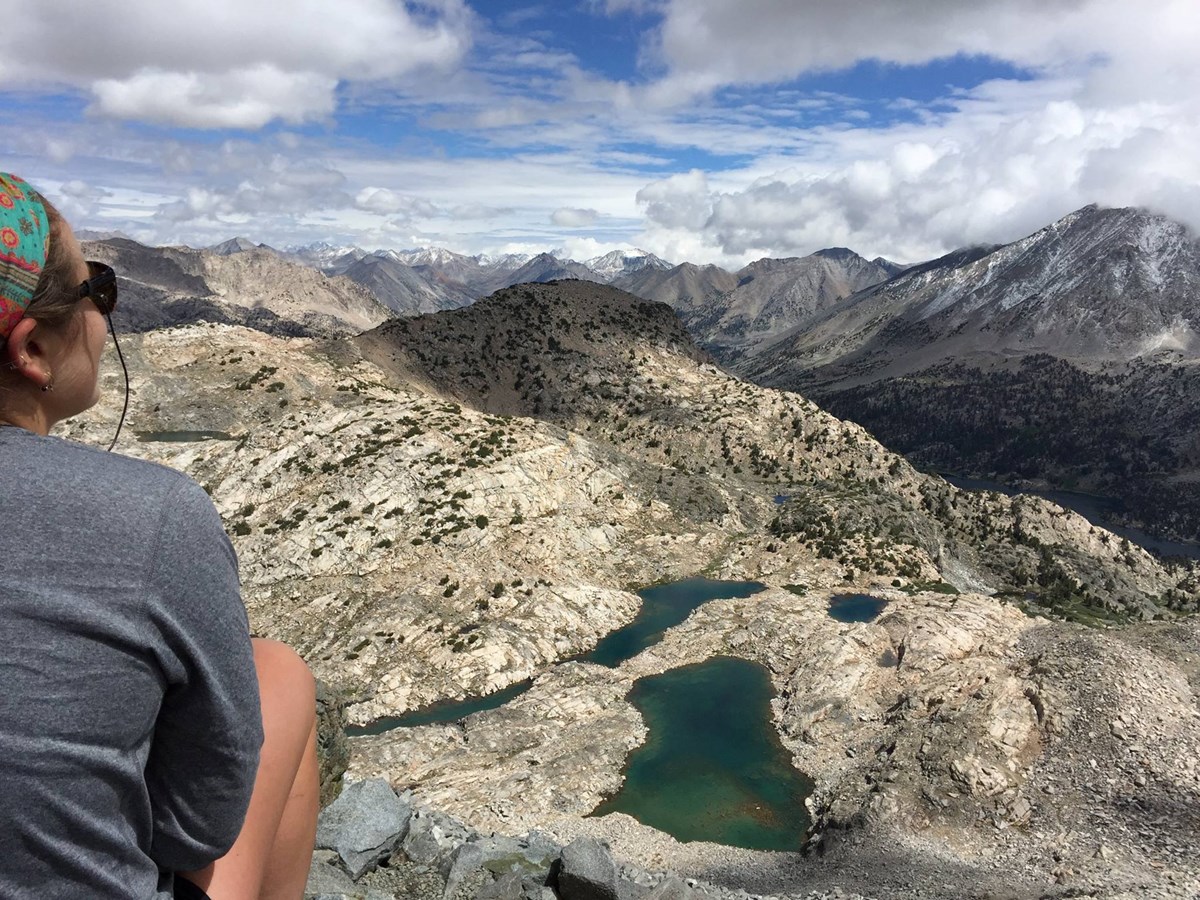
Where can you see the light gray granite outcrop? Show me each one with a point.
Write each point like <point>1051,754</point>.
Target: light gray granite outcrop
<point>365,824</point>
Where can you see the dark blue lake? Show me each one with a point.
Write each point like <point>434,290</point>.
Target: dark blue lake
<point>713,767</point>
<point>1096,509</point>
<point>855,607</point>
<point>663,607</point>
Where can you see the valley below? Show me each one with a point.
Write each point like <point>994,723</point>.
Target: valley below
<point>445,506</point>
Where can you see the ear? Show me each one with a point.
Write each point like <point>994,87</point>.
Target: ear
<point>26,355</point>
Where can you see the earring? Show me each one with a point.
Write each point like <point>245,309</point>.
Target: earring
<point>49,385</point>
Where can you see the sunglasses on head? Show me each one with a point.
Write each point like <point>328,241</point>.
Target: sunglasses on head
<point>101,286</point>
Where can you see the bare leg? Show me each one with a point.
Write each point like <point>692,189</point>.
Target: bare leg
<point>272,853</point>
<point>291,854</point>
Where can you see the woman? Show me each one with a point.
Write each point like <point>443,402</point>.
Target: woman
<point>150,747</point>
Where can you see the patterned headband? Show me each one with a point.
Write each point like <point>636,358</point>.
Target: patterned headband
<point>24,243</point>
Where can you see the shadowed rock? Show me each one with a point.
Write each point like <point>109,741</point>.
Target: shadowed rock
<point>587,871</point>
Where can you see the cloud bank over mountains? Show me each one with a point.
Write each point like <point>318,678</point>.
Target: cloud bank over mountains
<point>708,130</point>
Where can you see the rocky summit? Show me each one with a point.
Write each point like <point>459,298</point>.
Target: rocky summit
<point>449,504</point>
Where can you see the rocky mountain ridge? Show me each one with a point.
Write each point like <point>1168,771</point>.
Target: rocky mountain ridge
<point>1064,290</point>
<point>732,314</point>
<point>1066,359</point>
<point>167,286</point>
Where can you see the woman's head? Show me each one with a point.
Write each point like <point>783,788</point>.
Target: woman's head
<point>52,341</point>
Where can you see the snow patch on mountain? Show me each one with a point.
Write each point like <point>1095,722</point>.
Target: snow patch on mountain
<point>613,265</point>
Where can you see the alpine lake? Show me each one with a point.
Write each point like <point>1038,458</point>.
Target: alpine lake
<point>713,767</point>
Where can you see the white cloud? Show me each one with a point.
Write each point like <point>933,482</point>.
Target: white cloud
<point>678,202</point>
<point>1107,110</point>
<point>1107,114</point>
<point>391,203</point>
<point>710,43</point>
<point>242,98</point>
<point>574,218</point>
<point>985,174</point>
<point>225,63</point>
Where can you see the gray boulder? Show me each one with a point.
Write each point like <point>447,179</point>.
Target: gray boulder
<point>460,865</point>
<point>365,824</point>
<point>506,887</point>
<point>671,888</point>
<point>587,871</point>
<point>432,835</point>
<point>534,887</point>
<point>325,879</point>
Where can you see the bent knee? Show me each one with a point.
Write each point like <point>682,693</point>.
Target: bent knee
<point>283,677</point>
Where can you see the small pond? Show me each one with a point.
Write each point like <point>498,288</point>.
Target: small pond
<point>713,767</point>
<point>183,436</point>
<point>855,607</point>
<point>663,607</point>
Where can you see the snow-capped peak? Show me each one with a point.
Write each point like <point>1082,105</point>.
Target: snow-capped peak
<point>624,262</point>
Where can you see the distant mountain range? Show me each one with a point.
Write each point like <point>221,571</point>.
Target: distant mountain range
<point>259,288</point>
<point>428,279</point>
<point>1068,359</point>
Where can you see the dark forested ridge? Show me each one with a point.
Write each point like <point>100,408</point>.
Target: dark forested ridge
<point>1127,432</point>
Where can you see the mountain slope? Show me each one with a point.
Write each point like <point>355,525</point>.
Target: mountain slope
<point>1070,358</point>
<point>168,286</point>
<point>402,289</point>
<point>623,263</point>
<point>1099,284</point>
<point>688,288</point>
<point>602,363</point>
<point>545,267</point>
<point>733,314</point>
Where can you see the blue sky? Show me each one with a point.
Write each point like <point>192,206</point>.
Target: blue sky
<point>703,130</point>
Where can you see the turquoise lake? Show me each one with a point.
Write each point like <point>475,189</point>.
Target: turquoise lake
<point>448,711</point>
<point>713,767</point>
<point>663,606</point>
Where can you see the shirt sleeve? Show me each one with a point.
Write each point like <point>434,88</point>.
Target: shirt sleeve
<point>204,754</point>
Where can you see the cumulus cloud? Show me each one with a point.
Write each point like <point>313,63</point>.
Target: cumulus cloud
<point>1105,114</point>
<point>679,202</point>
<point>710,43</point>
<point>917,191</point>
<point>225,63</point>
<point>574,218</point>
<point>387,202</point>
<point>276,186</point>
<point>1106,109</point>
<point>243,98</point>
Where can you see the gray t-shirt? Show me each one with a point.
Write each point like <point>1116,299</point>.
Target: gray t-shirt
<point>129,717</point>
